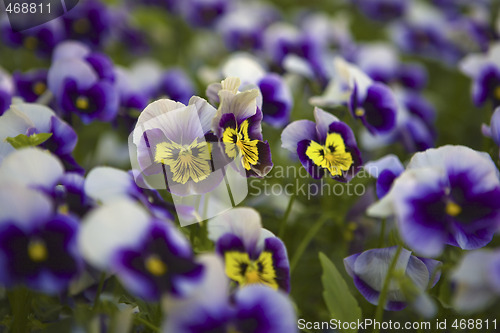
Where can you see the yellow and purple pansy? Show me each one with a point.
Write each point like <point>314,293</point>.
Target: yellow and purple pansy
<point>325,147</point>
<point>251,254</point>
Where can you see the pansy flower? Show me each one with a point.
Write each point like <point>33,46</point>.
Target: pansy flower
<point>37,246</point>
<point>493,130</point>
<point>83,83</point>
<point>89,22</point>
<point>203,13</point>
<point>41,39</point>
<point>7,89</point>
<point>484,70</point>
<point>449,195</point>
<point>275,98</point>
<point>176,85</point>
<point>383,10</point>
<point>370,268</point>
<point>386,170</point>
<point>170,140</point>
<point>477,281</point>
<point>31,85</point>
<point>325,147</point>
<point>252,255</point>
<point>210,308</point>
<point>237,124</point>
<point>150,256</point>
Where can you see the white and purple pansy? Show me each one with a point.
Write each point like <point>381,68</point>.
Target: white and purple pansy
<point>171,140</point>
<point>484,70</point>
<point>210,308</point>
<point>275,98</point>
<point>251,254</point>
<point>83,83</point>
<point>237,124</point>
<point>325,147</point>
<point>38,246</point>
<point>369,271</point>
<point>493,130</point>
<point>373,103</point>
<point>448,195</point>
<point>149,255</point>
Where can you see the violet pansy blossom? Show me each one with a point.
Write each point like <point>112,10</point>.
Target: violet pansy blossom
<point>448,195</point>
<point>251,254</point>
<point>325,147</point>
<point>37,246</point>
<point>83,83</point>
<point>210,307</point>
<point>484,70</point>
<point>149,255</point>
<point>370,268</point>
<point>275,98</point>
<point>493,130</point>
<point>386,170</point>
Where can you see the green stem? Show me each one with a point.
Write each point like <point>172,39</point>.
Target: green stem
<point>147,324</point>
<point>99,291</point>
<point>379,313</point>
<point>19,300</point>
<point>381,241</point>
<point>306,240</point>
<point>281,233</point>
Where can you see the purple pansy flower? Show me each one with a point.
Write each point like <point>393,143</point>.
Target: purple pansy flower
<point>83,83</point>
<point>37,246</point>
<point>449,195</point>
<point>253,309</point>
<point>90,21</point>
<point>325,147</point>
<point>30,85</point>
<point>252,255</point>
<point>41,39</point>
<point>203,13</point>
<point>150,256</point>
<point>484,70</point>
<point>369,270</point>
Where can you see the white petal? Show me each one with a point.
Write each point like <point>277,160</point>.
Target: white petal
<point>243,222</point>
<point>39,114</point>
<point>23,205</point>
<point>244,66</point>
<point>110,227</point>
<point>31,167</point>
<point>105,184</point>
<point>389,162</point>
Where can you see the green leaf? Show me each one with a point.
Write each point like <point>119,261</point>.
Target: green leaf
<point>339,301</point>
<point>22,140</point>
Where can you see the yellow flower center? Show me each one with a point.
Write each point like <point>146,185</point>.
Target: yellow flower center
<point>30,43</point>
<point>453,209</point>
<point>185,161</point>
<point>332,156</point>
<point>37,251</point>
<point>496,93</point>
<point>245,271</point>
<point>155,265</point>
<point>360,112</point>
<point>82,103</point>
<point>237,141</point>
<point>39,88</point>
<point>81,26</point>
